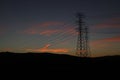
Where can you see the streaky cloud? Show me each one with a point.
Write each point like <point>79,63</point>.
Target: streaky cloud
<point>47,49</point>
<point>50,28</point>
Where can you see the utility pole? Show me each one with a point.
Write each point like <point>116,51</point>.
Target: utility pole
<point>82,49</point>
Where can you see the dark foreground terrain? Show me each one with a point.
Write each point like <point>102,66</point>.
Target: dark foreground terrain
<point>55,61</point>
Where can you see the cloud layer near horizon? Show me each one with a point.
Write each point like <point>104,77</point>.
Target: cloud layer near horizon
<point>106,43</point>
<point>47,49</point>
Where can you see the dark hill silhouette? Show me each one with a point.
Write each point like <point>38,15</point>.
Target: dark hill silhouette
<point>39,58</point>
<point>50,58</point>
<point>57,61</point>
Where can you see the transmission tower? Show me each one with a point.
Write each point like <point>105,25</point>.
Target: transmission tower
<point>82,49</point>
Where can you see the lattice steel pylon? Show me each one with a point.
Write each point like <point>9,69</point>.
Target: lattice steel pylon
<point>82,49</point>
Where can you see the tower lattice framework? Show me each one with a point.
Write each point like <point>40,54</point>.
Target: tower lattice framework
<point>82,49</point>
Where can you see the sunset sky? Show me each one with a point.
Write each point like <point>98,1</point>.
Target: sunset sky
<point>50,26</point>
